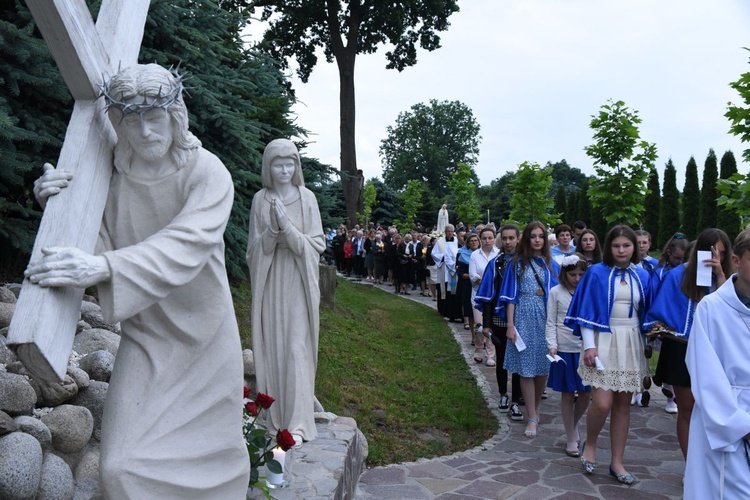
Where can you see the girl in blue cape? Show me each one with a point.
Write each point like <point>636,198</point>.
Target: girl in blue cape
<point>672,256</point>
<point>606,312</point>
<point>526,286</point>
<point>673,308</point>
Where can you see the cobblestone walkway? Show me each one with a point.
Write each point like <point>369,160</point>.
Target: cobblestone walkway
<point>509,465</point>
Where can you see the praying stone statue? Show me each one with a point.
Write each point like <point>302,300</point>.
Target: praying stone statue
<point>172,422</point>
<point>284,245</point>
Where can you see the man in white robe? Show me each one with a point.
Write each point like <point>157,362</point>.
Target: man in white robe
<point>445,253</point>
<point>172,422</point>
<point>718,465</point>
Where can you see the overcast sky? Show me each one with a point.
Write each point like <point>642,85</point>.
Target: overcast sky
<point>534,71</point>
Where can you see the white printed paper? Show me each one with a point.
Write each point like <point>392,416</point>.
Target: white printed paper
<point>599,364</point>
<point>704,272</point>
<point>555,358</point>
<point>520,344</point>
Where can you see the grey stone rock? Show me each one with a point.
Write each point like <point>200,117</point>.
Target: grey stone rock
<point>56,393</point>
<point>71,427</point>
<point>81,326</point>
<point>4,332</point>
<point>6,355</point>
<point>7,424</point>
<point>57,479</point>
<point>17,397</point>
<point>20,466</point>
<point>96,339</point>
<point>6,313</point>
<point>35,427</point>
<point>16,367</point>
<point>87,476</point>
<point>93,398</point>
<point>7,296</point>
<point>248,361</point>
<point>80,377</point>
<point>15,288</point>
<point>91,313</point>
<point>98,364</point>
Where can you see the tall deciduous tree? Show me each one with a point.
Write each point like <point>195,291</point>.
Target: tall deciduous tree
<point>463,185</point>
<point>708,207</point>
<point>691,200</point>
<point>565,175</point>
<point>530,201</point>
<point>669,217</point>
<point>344,29</point>
<point>726,218</point>
<point>496,197</point>
<point>411,201</point>
<point>369,198</point>
<point>650,219</point>
<point>427,143</point>
<point>739,115</point>
<point>621,161</point>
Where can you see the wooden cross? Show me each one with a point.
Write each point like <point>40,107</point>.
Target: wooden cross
<point>45,319</point>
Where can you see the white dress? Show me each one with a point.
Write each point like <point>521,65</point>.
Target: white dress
<point>717,359</point>
<point>621,352</point>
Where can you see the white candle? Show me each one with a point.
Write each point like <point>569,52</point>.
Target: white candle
<point>279,455</point>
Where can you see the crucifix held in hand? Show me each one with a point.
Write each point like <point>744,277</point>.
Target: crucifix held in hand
<point>45,319</point>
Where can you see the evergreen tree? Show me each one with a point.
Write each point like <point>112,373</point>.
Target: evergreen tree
<point>708,207</point>
<point>669,217</point>
<point>650,219</point>
<point>388,208</point>
<point>238,99</point>
<point>561,202</point>
<point>584,205</point>
<point>727,219</point>
<point>571,207</point>
<point>35,107</point>
<point>323,181</point>
<point>691,200</point>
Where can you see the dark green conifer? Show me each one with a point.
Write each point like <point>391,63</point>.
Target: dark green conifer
<point>652,205</point>
<point>727,219</point>
<point>669,216</point>
<point>691,196</point>
<point>560,202</point>
<point>708,207</point>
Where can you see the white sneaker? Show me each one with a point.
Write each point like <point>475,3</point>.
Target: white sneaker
<point>633,399</point>
<point>671,406</point>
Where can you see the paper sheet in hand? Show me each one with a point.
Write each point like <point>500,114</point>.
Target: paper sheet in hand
<point>555,358</point>
<point>704,272</point>
<point>520,344</point>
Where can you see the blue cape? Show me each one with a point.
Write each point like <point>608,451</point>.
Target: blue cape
<point>594,297</point>
<point>670,306</point>
<point>486,290</point>
<point>509,292</point>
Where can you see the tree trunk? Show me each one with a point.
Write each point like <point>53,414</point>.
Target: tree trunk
<point>352,179</point>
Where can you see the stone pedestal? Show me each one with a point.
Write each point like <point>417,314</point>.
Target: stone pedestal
<point>328,284</point>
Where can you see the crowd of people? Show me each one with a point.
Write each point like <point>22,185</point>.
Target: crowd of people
<point>558,310</point>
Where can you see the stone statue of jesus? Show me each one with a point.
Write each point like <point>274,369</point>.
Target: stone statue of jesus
<point>172,423</point>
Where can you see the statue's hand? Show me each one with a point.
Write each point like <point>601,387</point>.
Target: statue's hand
<point>281,218</point>
<point>51,182</point>
<point>68,266</point>
<point>272,216</point>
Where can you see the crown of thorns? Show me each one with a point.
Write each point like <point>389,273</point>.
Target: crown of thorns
<point>165,98</point>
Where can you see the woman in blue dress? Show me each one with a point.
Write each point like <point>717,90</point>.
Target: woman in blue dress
<point>526,286</point>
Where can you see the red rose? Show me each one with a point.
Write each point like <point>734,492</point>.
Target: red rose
<point>264,400</point>
<point>284,439</point>
<point>245,392</point>
<point>252,408</point>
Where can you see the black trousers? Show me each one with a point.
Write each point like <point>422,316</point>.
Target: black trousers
<point>501,342</point>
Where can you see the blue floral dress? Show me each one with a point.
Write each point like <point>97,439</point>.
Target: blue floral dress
<point>530,316</point>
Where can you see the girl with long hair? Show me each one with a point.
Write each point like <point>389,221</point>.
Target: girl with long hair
<point>673,308</point>
<point>526,286</point>
<point>606,312</point>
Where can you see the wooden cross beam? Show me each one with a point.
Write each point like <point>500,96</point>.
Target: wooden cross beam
<point>45,319</point>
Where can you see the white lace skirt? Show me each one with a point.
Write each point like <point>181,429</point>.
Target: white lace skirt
<point>621,353</point>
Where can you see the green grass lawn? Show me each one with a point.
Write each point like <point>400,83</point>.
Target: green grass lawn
<point>394,366</point>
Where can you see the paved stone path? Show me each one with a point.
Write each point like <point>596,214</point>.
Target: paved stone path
<point>509,465</point>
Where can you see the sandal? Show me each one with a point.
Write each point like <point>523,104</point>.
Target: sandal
<point>478,355</point>
<point>529,432</point>
<point>466,326</point>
